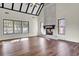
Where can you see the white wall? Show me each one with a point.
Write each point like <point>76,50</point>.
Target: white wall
<point>71,14</point>
<point>18,16</point>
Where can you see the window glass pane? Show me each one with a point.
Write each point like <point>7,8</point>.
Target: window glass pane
<point>61,23</point>
<point>16,6</point>
<point>36,8</point>
<point>30,8</point>
<point>61,28</point>
<point>17,26</point>
<point>8,5</point>
<point>8,26</point>
<point>25,27</point>
<point>24,7</point>
<point>0,4</point>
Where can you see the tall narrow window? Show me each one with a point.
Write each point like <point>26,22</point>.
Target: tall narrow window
<point>61,26</point>
<point>8,26</point>
<point>25,26</point>
<point>17,26</point>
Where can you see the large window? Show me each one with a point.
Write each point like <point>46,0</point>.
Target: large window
<point>61,26</point>
<point>15,27</point>
<point>8,26</point>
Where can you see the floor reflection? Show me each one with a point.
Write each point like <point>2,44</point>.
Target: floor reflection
<point>63,48</point>
<point>15,41</point>
<point>43,45</point>
<point>22,39</point>
<point>12,47</point>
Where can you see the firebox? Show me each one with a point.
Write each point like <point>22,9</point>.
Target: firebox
<point>49,29</point>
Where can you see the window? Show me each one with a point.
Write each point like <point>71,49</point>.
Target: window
<point>61,26</point>
<point>25,27</point>
<point>17,26</point>
<point>8,26</point>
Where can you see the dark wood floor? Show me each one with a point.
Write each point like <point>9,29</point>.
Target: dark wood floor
<point>38,46</point>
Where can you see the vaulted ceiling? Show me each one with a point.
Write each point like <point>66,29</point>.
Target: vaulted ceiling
<point>28,8</point>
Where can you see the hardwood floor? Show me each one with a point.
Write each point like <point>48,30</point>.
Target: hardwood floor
<point>38,46</point>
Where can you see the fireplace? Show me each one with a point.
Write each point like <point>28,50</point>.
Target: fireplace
<point>49,29</point>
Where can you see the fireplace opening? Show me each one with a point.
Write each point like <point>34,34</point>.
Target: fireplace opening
<point>49,32</point>
<point>49,29</point>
